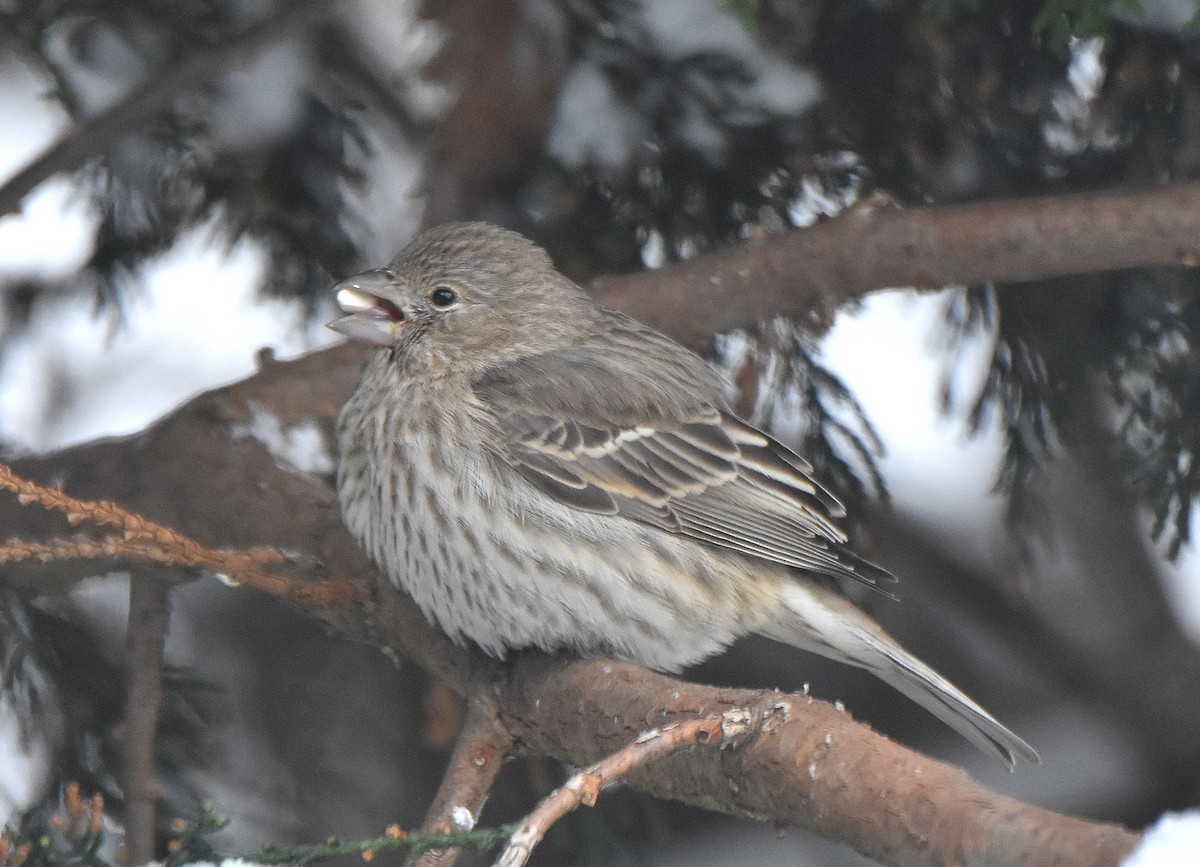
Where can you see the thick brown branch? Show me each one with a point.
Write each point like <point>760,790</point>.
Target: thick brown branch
<point>815,767</point>
<point>809,273</point>
<point>715,732</point>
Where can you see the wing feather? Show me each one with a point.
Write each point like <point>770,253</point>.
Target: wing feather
<point>690,468</point>
<point>589,498</point>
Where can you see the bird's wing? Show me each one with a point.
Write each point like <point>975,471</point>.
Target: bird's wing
<point>613,441</point>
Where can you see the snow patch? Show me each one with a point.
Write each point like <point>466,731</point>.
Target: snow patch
<point>26,766</point>
<point>242,119</point>
<point>71,376</point>
<point>1172,841</point>
<point>595,124</point>
<point>300,446</point>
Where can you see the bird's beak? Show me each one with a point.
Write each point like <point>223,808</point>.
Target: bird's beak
<point>372,316</point>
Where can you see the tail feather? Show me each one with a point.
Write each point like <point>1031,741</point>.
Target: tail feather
<point>948,703</point>
<point>826,623</point>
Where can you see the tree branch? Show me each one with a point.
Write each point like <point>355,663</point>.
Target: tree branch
<point>146,638</point>
<point>809,273</point>
<point>142,540</point>
<point>814,767</point>
<point>483,745</point>
<point>717,731</point>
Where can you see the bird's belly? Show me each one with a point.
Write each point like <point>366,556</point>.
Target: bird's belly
<point>494,565</point>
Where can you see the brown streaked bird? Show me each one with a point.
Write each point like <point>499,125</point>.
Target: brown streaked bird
<point>537,470</point>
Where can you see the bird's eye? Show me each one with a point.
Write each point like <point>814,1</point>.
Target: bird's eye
<point>443,296</point>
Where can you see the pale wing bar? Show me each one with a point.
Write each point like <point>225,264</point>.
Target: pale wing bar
<point>716,480</point>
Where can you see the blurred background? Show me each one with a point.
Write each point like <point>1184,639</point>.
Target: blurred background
<point>181,182</point>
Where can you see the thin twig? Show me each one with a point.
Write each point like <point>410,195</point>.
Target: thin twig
<point>482,746</point>
<point>149,541</point>
<point>718,730</point>
<point>145,639</point>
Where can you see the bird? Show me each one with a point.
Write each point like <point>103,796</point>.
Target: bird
<point>537,470</point>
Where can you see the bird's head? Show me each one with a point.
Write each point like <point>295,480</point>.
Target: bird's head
<point>465,296</point>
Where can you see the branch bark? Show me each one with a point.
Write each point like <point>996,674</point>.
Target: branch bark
<point>815,767</point>
<point>808,274</point>
<point>482,747</point>
<point>713,732</point>
<point>146,638</point>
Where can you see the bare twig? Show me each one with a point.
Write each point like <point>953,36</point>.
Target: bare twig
<point>148,541</point>
<point>146,638</point>
<point>718,730</point>
<point>482,746</point>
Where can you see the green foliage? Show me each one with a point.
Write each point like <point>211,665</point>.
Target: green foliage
<point>51,851</point>
<point>1017,397</point>
<point>835,435</point>
<point>478,838</point>
<point>1056,23</point>
<point>194,843</point>
<point>747,11</point>
<point>1059,21</point>
<point>946,9</point>
<point>75,838</point>
<point>1156,389</point>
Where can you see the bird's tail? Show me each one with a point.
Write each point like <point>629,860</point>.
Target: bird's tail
<point>824,622</point>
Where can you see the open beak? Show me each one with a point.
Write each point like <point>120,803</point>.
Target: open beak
<point>371,316</point>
